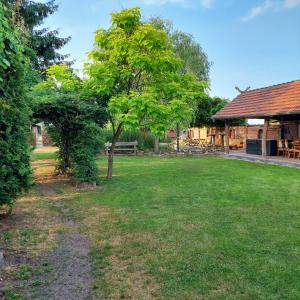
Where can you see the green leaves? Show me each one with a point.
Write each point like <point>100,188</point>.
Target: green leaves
<point>127,19</point>
<point>74,117</point>
<point>135,65</point>
<point>14,116</point>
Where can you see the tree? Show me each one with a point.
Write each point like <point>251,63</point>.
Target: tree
<point>206,108</point>
<point>209,106</point>
<point>74,118</point>
<point>194,59</point>
<point>42,42</point>
<point>14,117</point>
<point>134,65</point>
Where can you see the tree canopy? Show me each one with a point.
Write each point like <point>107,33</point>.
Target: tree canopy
<point>206,108</point>
<point>194,59</point>
<point>43,43</point>
<point>135,66</point>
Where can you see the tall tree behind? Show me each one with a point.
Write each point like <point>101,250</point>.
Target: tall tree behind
<point>194,59</point>
<point>14,119</point>
<point>43,43</point>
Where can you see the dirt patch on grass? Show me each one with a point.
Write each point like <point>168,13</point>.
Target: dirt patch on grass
<point>129,280</point>
<point>45,256</point>
<point>124,265</point>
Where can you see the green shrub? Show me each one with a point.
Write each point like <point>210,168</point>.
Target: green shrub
<point>87,145</point>
<point>73,121</point>
<point>14,116</point>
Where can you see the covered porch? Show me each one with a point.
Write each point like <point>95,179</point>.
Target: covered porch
<point>279,139</point>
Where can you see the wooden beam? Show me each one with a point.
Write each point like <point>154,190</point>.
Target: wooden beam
<point>264,139</point>
<point>226,137</point>
<point>246,137</point>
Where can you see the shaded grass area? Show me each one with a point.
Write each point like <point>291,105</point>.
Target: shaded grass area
<point>43,155</point>
<point>193,228</point>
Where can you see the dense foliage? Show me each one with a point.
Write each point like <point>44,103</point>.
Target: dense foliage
<point>14,118</point>
<point>209,106</point>
<point>135,66</point>
<point>42,43</point>
<point>206,109</point>
<point>74,119</point>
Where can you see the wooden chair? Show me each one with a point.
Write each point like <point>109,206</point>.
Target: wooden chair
<point>286,148</point>
<point>280,147</point>
<point>295,150</point>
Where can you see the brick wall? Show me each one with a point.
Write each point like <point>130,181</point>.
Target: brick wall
<point>247,132</point>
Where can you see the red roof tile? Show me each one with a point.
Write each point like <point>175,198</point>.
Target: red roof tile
<point>281,99</point>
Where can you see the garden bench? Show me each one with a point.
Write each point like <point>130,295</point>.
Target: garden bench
<point>123,147</point>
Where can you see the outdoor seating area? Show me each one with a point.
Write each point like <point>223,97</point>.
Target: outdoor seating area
<point>279,107</point>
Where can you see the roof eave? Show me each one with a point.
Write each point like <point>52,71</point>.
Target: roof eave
<point>254,116</point>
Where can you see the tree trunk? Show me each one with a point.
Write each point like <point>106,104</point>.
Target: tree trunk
<point>110,164</point>
<point>156,145</point>
<point>111,151</point>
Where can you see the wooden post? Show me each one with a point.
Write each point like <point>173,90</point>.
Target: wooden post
<point>246,136</point>
<point>222,141</point>
<point>226,137</point>
<point>264,139</point>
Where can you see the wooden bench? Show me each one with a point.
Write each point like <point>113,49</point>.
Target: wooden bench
<point>122,147</point>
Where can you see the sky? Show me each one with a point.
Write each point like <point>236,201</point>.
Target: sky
<point>252,43</point>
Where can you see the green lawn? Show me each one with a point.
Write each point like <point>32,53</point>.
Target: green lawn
<point>194,228</point>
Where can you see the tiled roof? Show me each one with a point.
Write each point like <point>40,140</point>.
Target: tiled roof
<point>281,99</point>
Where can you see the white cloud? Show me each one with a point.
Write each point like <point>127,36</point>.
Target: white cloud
<point>203,3</point>
<point>270,5</point>
<point>259,10</point>
<point>206,3</point>
<point>291,3</point>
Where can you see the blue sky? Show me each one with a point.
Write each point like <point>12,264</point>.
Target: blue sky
<point>250,42</point>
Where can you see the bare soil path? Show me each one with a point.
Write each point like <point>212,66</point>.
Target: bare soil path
<point>55,262</point>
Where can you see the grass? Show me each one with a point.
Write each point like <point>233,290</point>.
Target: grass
<point>169,228</point>
<point>194,228</point>
<point>43,155</point>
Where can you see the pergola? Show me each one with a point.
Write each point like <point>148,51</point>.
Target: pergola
<point>279,102</point>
